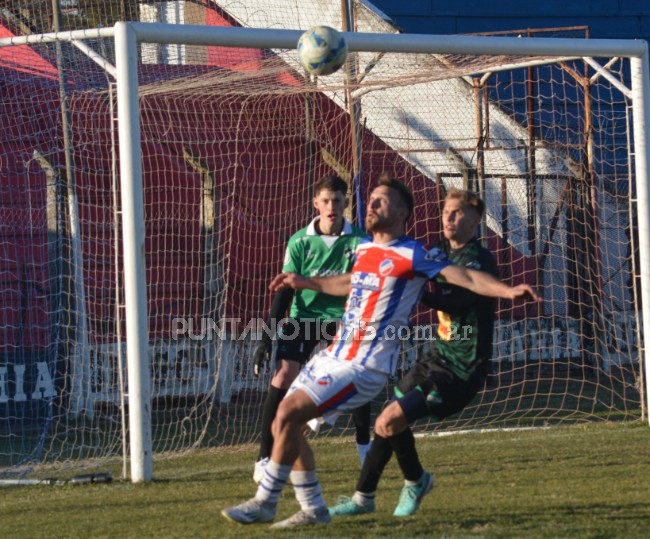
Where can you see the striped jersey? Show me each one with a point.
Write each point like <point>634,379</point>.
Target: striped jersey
<point>387,281</point>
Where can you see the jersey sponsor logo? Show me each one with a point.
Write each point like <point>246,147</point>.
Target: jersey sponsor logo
<point>307,373</point>
<point>324,380</point>
<point>365,281</point>
<point>325,272</point>
<point>435,255</point>
<point>354,303</point>
<point>350,316</point>
<point>348,253</point>
<point>353,310</point>
<point>386,267</point>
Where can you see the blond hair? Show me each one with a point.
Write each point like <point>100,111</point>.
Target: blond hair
<point>467,197</point>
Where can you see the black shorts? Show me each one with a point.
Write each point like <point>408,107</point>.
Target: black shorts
<point>298,338</point>
<point>431,389</point>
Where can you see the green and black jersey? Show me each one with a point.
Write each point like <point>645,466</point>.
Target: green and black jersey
<point>311,254</point>
<point>466,320</point>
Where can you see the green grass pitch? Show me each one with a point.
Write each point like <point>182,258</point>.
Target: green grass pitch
<point>580,481</point>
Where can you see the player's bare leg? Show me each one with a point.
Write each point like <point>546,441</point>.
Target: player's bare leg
<point>292,449</point>
<point>294,411</point>
<point>391,421</point>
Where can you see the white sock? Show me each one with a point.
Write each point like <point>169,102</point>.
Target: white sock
<point>271,485</point>
<point>413,483</point>
<point>363,498</point>
<point>307,489</point>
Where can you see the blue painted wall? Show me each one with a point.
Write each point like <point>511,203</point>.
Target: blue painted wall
<point>610,19</point>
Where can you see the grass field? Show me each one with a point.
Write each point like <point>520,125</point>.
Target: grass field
<point>580,481</point>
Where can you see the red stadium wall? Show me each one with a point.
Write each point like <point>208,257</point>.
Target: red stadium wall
<point>251,234</point>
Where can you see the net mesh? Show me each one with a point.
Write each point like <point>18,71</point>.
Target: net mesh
<point>232,143</point>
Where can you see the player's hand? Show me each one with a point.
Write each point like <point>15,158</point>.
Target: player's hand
<point>288,280</point>
<point>261,356</point>
<point>523,291</point>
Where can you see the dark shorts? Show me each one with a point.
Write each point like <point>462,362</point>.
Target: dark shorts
<point>431,389</point>
<point>298,338</point>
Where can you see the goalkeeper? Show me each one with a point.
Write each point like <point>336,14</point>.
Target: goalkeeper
<point>325,247</point>
<point>443,381</point>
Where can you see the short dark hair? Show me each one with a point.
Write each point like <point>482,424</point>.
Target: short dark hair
<point>404,192</point>
<point>332,183</point>
<point>467,197</point>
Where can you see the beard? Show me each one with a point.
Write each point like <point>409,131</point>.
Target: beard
<point>378,223</point>
<point>373,222</point>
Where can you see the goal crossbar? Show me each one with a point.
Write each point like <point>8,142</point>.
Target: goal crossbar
<point>127,37</point>
<point>357,42</point>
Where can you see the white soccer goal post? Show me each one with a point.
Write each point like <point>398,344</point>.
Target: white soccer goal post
<point>127,37</point>
<point>191,173</point>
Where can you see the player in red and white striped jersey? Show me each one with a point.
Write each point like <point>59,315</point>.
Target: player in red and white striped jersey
<point>385,284</point>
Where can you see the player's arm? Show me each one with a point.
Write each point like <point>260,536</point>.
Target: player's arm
<point>457,300</point>
<point>485,284</point>
<point>279,307</point>
<point>336,285</point>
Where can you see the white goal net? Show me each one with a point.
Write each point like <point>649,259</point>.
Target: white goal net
<point>232,142</point>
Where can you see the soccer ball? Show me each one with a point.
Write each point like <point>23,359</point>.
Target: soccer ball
<point>322,50</point>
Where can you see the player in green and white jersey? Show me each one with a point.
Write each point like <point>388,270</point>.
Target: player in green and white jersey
<point>325,247</point>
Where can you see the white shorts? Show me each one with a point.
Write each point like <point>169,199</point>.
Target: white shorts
<point>337,386</point>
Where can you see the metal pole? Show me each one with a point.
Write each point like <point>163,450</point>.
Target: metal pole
<point>640,74</point>
<point>354,109</point>
<point>480,128</point>
<point>80,360</point>
<point>375,42</point>
<point>118,283</point>
<point>135,292</point>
